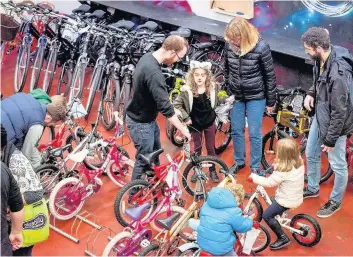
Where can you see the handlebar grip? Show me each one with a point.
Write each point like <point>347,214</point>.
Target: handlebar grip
<point>250,180</point>
<point>158,35</point>
<point>100,30</point>
<point>70,16</point>
<point>256,225</point>
<point>114,28</point>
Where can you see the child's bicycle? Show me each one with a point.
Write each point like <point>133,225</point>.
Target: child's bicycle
<point>304,228</point>
<point>69,195</point>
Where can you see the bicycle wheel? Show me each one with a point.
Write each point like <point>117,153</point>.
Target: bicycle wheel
<point>151,250</point>
<point>213,57</point>
<point>176,137</point>
<point>22,65</point>
<point>50,70</point>
<point>310,227</point>
<point>66,199</point>
<point>203,162</point>
<point>255,207</point>
<point>262,241</point>
<point>223,137</point>
<point>78,79</point>
<point>138,188</point>
<point>125,95</point>
<point>110,103</point>
<point>37,67</point>
<point>269,142</point>
<point>118,245</point>
<point>189,252</point>
<point>49,176</point>
<point>65,79</point>
<point>94,85</point>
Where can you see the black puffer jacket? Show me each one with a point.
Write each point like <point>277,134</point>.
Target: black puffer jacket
<point>251,76</point>
<point>332,90</point>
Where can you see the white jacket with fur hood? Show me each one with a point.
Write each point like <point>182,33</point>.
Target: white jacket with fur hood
<point>290,184</point>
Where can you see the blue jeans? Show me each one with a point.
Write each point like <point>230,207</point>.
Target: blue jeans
<point>336,158</point>
<point>254,111</point>
<point>146,138</point>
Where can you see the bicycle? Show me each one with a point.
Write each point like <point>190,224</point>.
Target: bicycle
<point>291,120</point>
<point>136,236</point>
<point>151,188</point>
<point>65,203</point>
<point>304,228</point>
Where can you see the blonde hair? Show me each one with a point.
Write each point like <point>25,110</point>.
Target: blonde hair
<point>237,190</point>
<point>248,34</point>
<point>190,81</point>
<point>175,43</point>
<point>287,155</point>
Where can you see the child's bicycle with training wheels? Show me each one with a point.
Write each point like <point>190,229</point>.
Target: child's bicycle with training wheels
<point>304,228</point>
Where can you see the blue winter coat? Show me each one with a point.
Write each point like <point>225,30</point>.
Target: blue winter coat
<point>18,113</point>
<point>220,216</point>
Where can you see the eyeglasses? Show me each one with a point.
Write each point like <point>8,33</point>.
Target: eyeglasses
<point>178,56</point>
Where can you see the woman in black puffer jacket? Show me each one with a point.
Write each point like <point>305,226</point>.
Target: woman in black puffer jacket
<point>250,77</point>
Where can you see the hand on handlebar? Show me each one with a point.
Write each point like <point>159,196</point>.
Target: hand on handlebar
<point>117,118</point>
<point>187,134</point>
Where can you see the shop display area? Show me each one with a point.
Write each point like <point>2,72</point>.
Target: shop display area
<point>88,51</point>
<point>337,230</point>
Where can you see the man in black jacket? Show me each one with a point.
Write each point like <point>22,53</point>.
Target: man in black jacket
<point>151,97</point>
<point>330,95</point>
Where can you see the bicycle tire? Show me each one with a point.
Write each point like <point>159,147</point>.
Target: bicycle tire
<point>201,159</point>
<point>270,135</point>
<point>148,249</point>
<point>119,198</point>
<point>268,239</point>
<point>226,142</point>
<point>173,139</point>
<point>191,250</point>
<point>94,84</point>
<point>50,70</point>
<point>258,207</point>
<point>114,241</point>
<point>316,226</point>
<point>199,56</point>
<point>111,174</point>
<point>52,170</point>
<point>24,52</point>
<point>115,99</point>
<point>54,193</point>
<point>66,70</point>
<point>37,68</point>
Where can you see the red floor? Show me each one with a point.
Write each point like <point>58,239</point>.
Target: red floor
<point>337,231</point>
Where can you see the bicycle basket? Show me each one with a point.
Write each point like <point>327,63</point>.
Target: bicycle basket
<point>9,27</point>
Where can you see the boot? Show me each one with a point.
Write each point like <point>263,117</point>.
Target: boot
<point>282,239</point>
<point>213,174</point>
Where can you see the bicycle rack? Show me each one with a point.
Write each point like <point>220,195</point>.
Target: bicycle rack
<point>93,241</point>
<point>79,218</point>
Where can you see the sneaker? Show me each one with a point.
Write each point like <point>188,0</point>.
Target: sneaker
<point>308,194</point>
<point>256,171</point>
<point>236,168</point>
<point>328,209</point>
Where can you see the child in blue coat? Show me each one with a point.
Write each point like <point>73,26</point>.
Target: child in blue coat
<point>220,217</point>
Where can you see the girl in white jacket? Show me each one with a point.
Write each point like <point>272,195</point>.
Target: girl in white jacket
<point>289,177</point>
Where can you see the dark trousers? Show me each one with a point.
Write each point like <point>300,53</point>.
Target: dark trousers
<point>269,216</point>
<point>24,251</point>
<point>210,135</point>
<point>146,138</point>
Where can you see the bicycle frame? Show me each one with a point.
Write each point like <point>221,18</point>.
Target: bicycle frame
<point>282,219</point>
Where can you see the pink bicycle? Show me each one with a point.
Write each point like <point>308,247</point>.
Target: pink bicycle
<point>69,195</point>
<point>136,235</point>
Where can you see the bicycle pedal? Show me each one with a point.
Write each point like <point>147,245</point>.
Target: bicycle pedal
<point>145,243</point>
<point>181,202</point>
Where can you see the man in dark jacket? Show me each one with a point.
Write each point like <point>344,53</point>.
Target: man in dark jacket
<point>24,118</point>
<point>333,120</point>
<point>151,97</point>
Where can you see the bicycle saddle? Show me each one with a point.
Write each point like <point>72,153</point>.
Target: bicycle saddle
<point>136,213</point>
<point>84,8</point>
<point>204,45</point>
<point>79,157</point>
<point>167,223</point>
<point>123,24</point>
<point>150,158</point>
<point>151,25</point>
<point>96,14</point>
<point>182,32</point>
